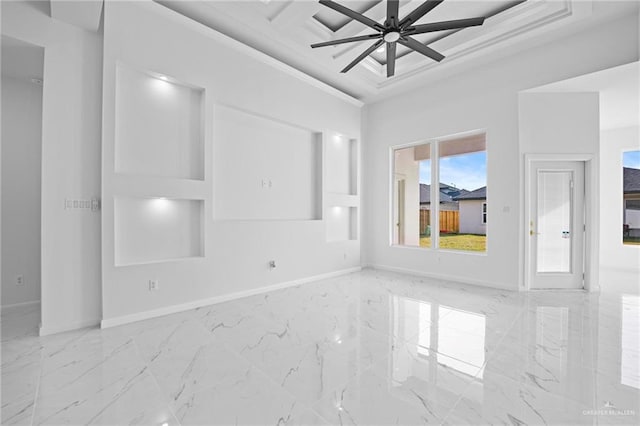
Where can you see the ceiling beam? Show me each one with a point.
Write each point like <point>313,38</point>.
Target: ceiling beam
<point>295,12</point>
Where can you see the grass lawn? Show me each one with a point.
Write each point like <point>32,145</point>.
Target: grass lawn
<point>626,240</point>
<point>470,242</point>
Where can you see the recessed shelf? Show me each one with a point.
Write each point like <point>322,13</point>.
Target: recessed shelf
<point>159,126</point>
<point>341,223</point>
<point>341,156</point>
<point>149,230</point>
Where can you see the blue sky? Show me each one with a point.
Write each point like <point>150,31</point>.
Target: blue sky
<point>631,159</point>
<point>467,171</point>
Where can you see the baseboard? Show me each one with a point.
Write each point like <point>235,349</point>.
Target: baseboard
<point>45,331</point>
<point>126,319</point>
<point>479,283</point>
<point>18,305</point>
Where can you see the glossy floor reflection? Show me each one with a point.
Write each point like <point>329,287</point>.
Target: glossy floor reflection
<point>367,348</point>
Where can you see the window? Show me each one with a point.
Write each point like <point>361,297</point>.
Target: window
<point>440,194</point>
<point>631,198</point>
<point>484,213</point>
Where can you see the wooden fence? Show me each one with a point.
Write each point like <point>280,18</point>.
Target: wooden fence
<point>449,221</point>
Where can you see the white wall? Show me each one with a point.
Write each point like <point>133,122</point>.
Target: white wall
<point>559,123</point>
<point>471,217</point>
<point>485,99</point>
<point>149,37</point>
<point>21,156</point>
<point>619,263</point>
<point>70,164</point>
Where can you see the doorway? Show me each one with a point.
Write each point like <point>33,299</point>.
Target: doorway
<point>22,74</point>
<point>556,225</point>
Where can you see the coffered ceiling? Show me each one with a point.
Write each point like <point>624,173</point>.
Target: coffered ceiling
<point>285,29</point>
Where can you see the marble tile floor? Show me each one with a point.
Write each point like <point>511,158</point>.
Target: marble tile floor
<point>366,348</point>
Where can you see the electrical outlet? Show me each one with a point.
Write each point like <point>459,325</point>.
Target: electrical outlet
<point>19,280</point>
<point>153,285</point>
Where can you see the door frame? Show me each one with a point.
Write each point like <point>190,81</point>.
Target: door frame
<point>402,206</point>
<point>591,197</point>
<point>395,209</point>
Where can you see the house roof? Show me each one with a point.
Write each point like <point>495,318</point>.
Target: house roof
<point>447,193</point>
<point>478,194</point>
<point>631,178</point>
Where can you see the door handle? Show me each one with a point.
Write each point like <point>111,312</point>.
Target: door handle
<point>531,231</point>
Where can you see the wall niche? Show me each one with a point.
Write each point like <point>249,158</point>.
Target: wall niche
<point>159,126</point>
<point>265,169</point>
<point>157,229</point>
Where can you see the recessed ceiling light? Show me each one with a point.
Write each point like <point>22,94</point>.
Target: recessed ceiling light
<point>163,78</point>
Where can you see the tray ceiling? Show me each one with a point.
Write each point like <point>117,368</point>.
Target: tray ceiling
<point>285,29</point>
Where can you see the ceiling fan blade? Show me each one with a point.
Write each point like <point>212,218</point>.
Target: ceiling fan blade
<point>392,13</point>
<point>391,59</point>
<point>421,48</point>
<point>347,40</point>
<point>419,12</point>
<point>352,14</point>
<point>363,55</point>
<point>445,25</point>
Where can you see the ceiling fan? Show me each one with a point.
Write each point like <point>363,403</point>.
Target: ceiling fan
<point>395,30</point>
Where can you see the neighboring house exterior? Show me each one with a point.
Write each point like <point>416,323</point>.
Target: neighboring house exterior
<point>473,211</point>
<point>631,201</point>
<point>447,193</point>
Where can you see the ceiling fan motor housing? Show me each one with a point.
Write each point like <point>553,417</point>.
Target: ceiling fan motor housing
<point>392,36</point>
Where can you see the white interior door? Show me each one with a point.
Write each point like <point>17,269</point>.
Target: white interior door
<point>556,225</point>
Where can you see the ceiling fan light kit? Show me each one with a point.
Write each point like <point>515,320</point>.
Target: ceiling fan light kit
<point>395,30</point>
